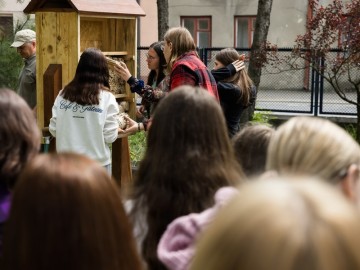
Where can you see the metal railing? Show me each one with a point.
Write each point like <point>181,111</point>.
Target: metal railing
<point>300,91</point>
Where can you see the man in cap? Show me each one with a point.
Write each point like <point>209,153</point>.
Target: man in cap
<point>25,44</point>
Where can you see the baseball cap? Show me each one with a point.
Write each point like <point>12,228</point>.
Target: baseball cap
<point>22,37</point>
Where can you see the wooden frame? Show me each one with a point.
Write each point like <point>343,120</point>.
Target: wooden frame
<point>64,28</point>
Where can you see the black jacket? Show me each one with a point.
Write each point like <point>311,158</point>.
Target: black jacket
<point>230,98</point>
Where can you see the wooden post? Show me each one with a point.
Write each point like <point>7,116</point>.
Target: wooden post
<point>121,167</point>
<point>52,86</point>
<point>52,81</point>
<point>57,42</point>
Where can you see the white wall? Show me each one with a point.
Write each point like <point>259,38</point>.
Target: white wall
<point>288,18</point>
<point>148,24</point>
<point>221,12</point>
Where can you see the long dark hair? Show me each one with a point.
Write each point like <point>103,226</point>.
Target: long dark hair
<point>241,78</point>
<point>19,136</point>
<point>92,75</point>
<point>188,158</point>
<point>67,213</point>
<point>158,48</point>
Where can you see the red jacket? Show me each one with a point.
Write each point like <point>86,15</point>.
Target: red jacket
<point>190,70</point>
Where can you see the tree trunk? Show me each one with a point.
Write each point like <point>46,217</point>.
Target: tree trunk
<point>163,18</point>
<point>260,36</point>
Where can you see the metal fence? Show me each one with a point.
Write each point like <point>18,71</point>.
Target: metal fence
<point>301,91</point>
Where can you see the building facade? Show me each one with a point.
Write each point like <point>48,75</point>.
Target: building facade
<point>231,23</point>
<point>213,23</point>
<point>12,16</point>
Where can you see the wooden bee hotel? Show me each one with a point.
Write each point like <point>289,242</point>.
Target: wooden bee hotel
<point>64,28</point>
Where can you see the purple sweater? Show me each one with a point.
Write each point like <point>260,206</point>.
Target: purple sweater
<point>5,202</point>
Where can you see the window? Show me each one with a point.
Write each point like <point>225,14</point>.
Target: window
<point>200,29</point>
<point>244,31</point>
<point>6,26</point>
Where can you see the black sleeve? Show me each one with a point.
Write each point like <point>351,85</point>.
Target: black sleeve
<point>223,73</point>
<point>228,91</point>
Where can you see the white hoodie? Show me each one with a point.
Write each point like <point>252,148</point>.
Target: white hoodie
<point>86,129</point>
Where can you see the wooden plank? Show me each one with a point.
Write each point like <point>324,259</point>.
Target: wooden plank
<point>57,43</point>
<point>116,161</point>
<point>121,167</point>
<point>126,172</point>
<point>111,37</point>
<point>126,33</point>
<point>67,44</point>
<point>115,53</point>
<point>92,33</point>
<point>45,54</point>
<point>53,84</point>
<point>115,7</point>
<point>107,36</point>
<point>40,5</point>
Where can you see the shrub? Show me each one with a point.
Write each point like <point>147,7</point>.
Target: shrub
<point>10,65</point>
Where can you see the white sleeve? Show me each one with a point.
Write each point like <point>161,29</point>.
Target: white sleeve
<point>52,125</point>
<point>111,124</point>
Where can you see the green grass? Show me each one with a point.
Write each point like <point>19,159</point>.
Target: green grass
<point>137,144</point>
<point>262,117</point>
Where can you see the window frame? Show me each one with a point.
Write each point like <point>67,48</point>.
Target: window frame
<point>251,28</point>
<point>196,31</point>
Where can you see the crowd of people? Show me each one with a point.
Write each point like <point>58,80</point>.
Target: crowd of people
<point>207,195</point>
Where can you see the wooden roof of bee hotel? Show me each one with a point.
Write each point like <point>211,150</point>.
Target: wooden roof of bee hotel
<point>88,7</point>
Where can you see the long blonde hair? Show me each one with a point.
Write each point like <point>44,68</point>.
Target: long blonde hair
<point>182,42</point>
<point>283,225</point>
<point>314,146</point>
<point>241,78</point>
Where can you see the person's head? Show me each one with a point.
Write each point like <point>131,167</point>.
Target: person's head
<point>19,136</point>
<point>315,146</point>
<point>286,224</point>
<point>226,57</point>
<point>156,62</point>
<point>67,214</point>
<point>188,158</point>
<point>241,78</point>
<point>25,43</point>
<point>92,74</point>
<point>177,41</point>
<point>251,145</point>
